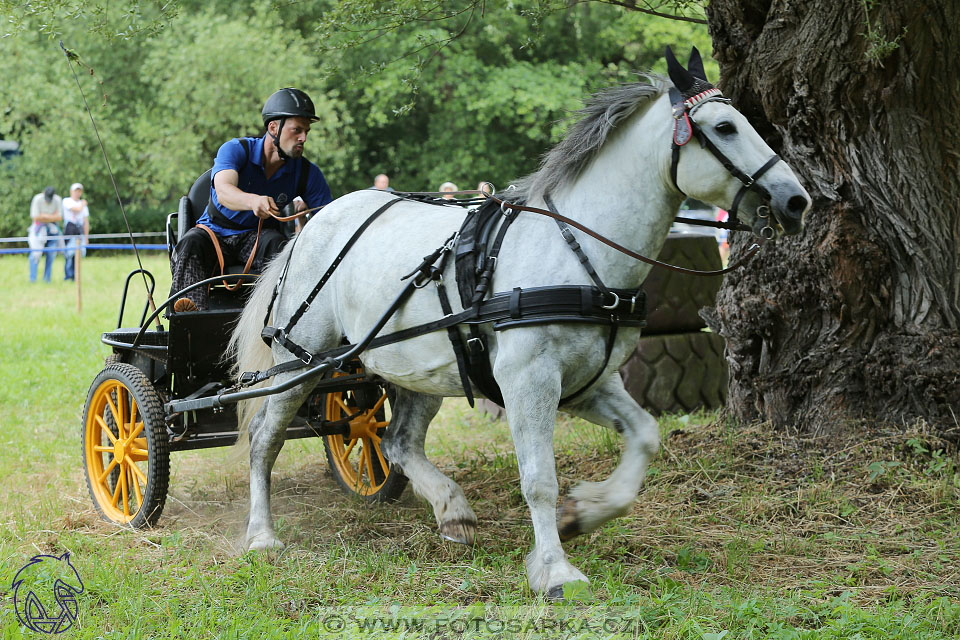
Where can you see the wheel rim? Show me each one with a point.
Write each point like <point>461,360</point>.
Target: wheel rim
<point>357,457</point>
<point>116,454</point>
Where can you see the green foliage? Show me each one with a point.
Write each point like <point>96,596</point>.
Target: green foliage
<point>879,46</point>
<point>106,19</point>
<point>425,92</point>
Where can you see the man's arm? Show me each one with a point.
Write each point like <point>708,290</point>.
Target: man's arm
<point>229,195</point>
<point>43,217</point>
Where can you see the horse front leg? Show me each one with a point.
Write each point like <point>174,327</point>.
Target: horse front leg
<point>268,431</point>
<point>531,394</point>
<point>590,504</point>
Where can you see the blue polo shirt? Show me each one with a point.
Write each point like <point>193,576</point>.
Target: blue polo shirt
<point>282,185</point>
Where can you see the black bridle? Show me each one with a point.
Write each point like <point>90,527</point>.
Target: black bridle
<point>684,129</point>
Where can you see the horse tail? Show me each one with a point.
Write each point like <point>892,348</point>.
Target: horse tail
<point>246,348</point>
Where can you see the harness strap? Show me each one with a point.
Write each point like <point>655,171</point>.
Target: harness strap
<point>538,305</point>
<point>611,339</point>
<point>751,183</point>
<point>481,372</point>
<point>295,318</point>
<point>276,289</point>
<point>456,341</point>
<point>574,245</point>
<point>633,254</point>
<point>427,269</point>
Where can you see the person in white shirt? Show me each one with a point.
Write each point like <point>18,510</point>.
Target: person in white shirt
<point>76,220</point>
<point>43,232</point>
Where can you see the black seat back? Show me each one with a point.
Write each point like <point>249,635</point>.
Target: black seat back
<point>193,204</point>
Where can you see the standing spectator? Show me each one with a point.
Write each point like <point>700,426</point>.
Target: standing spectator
<point>76,223</point>
<point>43,232</point>
<point>448,188</point>
<point>723,236</point>
<point>382,182</point>
<point>485,187</point>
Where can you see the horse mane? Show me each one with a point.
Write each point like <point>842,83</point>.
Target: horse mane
<point>598,118</point>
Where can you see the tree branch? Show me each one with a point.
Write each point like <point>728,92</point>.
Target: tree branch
<point>631,5</point>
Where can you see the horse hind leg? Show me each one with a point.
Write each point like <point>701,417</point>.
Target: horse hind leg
<point>403,445</point>
<point>267,434</point>
<point>590,504</point>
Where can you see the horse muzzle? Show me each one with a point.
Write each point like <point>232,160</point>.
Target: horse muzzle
<point>783,216</point>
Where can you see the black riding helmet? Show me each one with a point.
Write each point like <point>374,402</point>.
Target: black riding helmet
<point>287,103</point>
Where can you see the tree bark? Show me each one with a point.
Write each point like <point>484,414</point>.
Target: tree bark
<point>858,318</point>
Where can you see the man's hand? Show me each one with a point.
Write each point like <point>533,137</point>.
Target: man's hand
<point>264,207</point>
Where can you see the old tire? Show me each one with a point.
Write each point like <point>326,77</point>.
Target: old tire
<point>125,450</point>
<point>677,373</point>
<point>674,299</point>
<point>356,460</point>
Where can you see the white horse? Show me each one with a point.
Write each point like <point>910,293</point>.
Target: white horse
<point>613,174</point>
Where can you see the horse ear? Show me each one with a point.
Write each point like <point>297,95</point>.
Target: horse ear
<point>680,77</point>
<point>695,66</point>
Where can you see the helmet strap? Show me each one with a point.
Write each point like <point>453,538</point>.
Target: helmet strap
<point>276,139</point>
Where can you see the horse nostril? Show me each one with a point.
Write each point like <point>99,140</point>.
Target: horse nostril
<point>796,206</point>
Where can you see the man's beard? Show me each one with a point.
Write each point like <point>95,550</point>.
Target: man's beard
<point>295,151</point>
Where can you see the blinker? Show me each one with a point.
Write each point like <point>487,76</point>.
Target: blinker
<point>682,130</point>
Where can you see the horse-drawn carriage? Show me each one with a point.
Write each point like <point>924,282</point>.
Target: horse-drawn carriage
<point>544,317</point>
<point>129,434</point>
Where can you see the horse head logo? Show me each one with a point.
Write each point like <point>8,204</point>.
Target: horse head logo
<point>45,594</point>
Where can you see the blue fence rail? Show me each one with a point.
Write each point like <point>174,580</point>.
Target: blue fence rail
<point>88,246</point>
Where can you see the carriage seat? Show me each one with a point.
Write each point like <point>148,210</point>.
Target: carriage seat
<point>193,204</point>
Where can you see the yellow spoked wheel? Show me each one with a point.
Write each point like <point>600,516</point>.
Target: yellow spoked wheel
<point>125,449</point>
<point>356,460</point>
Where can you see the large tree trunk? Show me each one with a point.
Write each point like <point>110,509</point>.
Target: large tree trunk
<point>858,317</point>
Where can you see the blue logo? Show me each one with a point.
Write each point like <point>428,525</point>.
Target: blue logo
<point>45,594</point>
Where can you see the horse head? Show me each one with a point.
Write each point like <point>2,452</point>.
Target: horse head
<point>731,167</point>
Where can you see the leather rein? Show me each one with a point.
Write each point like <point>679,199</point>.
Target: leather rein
<point>751,251</point>
<point>684,129</point>
<point>253,252</point>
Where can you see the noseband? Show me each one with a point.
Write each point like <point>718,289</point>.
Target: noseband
<point>684,128</point>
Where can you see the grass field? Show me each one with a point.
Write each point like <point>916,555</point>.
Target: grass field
<point>739,533</point>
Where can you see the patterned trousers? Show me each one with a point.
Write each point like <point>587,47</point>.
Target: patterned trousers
<point>195,258</point>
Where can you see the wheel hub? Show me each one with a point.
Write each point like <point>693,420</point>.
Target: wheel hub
<point>363,426</point>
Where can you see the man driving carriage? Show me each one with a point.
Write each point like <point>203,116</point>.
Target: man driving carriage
<point>251,181</point>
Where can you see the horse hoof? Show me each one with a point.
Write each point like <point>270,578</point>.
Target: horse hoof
<point>265,543</point>
<point>568,524</point>
<point>459,531</point>
<point>556,593</point>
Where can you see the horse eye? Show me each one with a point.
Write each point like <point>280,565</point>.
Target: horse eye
<point>726,128</point>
